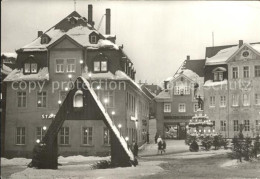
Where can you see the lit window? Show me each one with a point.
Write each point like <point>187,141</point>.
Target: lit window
<point>223,125</point>
<point>222,101</point>
<point>257,99</point>
<point>87,136</point>
<point>96,66</point>
<point>59,66</point>
<point>42,99</point>
<point>78,99</point>
<point>71,65</point>
<point>246,100</point>
<point>167,107</point>
<point>93,39</point>
<point>257,71</point>
<point>20,136</point>
<point>246,71</point>
<point>235,72</point>
<point>104,66</point>
<point>27,68</point>
<point>236,127</point>
<point>182,108</point>
<point>106,136</point>
<point>212,101</point>
<point>247,125</point>
<point>64,135</point>
<point>40,133</point>
<point>235,100</point>
<point>21,99</point>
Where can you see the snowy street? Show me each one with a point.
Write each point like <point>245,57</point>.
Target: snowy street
<point>178,162</point>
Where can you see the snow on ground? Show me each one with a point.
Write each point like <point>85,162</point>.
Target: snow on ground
<point>84,171</point>
<point>80,158</point>
<point>15,161</point>
<point>230,163</point>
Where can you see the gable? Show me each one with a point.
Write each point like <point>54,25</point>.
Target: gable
<point>65,42</point>
<point>245,53</point>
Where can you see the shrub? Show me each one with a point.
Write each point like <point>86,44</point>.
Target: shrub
<point>206,142</point>
<point>189,139</point>
<point>256,146</point>
<point>194,147</point>
<point>247,148</point>
<point>103,164</point>
<point>224,143</point>
<point>216,142</point>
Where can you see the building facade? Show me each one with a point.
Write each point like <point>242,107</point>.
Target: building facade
<point>232,88</point>
<point>46,70</point>
<point>178,102</point>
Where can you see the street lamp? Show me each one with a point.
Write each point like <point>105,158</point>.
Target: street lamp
<point>66,89</point>
<point>90,75</point>
<point>127,138</point>
<point>59,102</point>
<point>69,76</point>
<point>105,101</point>
<point>119,126</point>
<point>38,141</point>
<point>113,113</point>
<point>81,62</point>
<point>44,128</point>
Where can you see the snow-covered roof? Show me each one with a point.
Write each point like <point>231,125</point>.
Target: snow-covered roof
<point>78,33</point>
<point>9,54</point>
<point>109,121</point>
<point>17,75</point>
<point>210,83</point>
<point>222,56</point>
<point>5,69</point>
<point>256,47</point>
<point>165,94</point>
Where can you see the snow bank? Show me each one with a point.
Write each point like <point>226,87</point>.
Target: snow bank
<point>17,75</point>
<point>15,161</point>
<point>222,56</point>
<point>210,83</point>
<point>84,171</point>
<point>80,158</point>
<point>165,94</point>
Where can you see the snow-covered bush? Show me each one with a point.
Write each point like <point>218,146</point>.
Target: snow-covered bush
<point>194,147</point>
<point>207,142</point>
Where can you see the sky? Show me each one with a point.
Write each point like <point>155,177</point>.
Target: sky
<point>157,35</point>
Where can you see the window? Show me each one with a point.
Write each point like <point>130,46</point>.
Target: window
<point>40,133</point>
<point>222,101</point>
<point>257,125</point>
<point>44,40</point>
<point>186,90</point>
<point>235,100</point>
<point>257,71</point>
<point>212,101</point>
<point>218,76</point>
<point>235,72</point>
<point>71,65</point>
<point>93,39</point>
<point>246,71</point>
<point>64,135</point>
<point>87,136</point>
<point>257,99</point>
<point>42,99</point>
<point>247,126</point>
<point>100,66</point>
<point>78,99</point>
<point>106,136</point>
<point>30,67</point>
<point>20,136</point>
<point>223,125</point>
<point>196,106</point>
<point>236,127</point>
<point>246,100</point>
<point>182,90</point>
<point>21,99</point>
<point>182,107</point>
<point>59,66</point>
<point>27,68</point>
<point>110,96</point>
<point>177,90</point>
<point>167,107</point>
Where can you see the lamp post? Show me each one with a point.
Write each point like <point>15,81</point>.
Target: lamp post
<point>127,138</point>
<point>59,102</point>
<point>119,126</point>
<point>113,113</point>
<point>105,101</point>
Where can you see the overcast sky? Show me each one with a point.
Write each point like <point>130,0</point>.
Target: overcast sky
<point>157,36</point>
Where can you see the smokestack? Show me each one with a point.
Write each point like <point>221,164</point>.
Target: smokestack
<point>240,43</point>
<point>40,33</point>
<point>90,15</point>
<point>108,16</point>
<point>188,57</point>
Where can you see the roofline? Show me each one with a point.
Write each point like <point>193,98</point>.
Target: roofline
<point>61,38</point>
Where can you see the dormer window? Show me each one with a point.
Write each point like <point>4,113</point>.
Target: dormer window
<point>45,39</point>
<point>93,39</point>
<point>219,73</point>
<point>78,99</point>
<point>30,66</point>
<point>100,66</point>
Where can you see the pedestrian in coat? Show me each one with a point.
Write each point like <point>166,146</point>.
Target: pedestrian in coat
<point>135,149</point>
<point>164,146</point>
<point>159,147</point>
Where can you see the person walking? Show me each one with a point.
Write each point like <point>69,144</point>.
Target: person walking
<point>159,147</point>
<point>164,146</point>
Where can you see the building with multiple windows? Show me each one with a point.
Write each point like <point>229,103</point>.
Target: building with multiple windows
<point>178,102</point>
<point>46,70</point>
<point>231,89</point>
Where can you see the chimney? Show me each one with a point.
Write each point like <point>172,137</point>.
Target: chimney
<point>40,33</point>
<point>188,57</point>
<point>240,43</point>
<point>165,84</point>
<point>108,21</point>
<point>90,15</point>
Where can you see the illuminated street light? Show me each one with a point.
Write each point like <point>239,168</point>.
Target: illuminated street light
<point>39,102</point>
<point>126,138</point>
<point>59,102</point>
<point>119,126</point>
<point>81,61</point>
<point>89,74</point>
<point>69,76</point>
<point>113,113</point>
<point>44,128</point>
<point>38,141</point>
<point>66,89</point>
<point>98,87</point>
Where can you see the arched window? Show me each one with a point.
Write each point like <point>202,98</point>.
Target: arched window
<point>78,99</point>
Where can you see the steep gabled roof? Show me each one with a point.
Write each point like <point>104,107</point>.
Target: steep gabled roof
<point>196,66</point>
